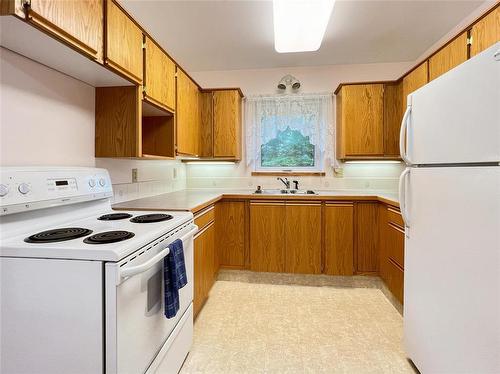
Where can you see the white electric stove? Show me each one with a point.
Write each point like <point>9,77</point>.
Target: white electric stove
<point>81,284</point>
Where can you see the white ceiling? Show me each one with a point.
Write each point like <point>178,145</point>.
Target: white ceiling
<point>238,34</point>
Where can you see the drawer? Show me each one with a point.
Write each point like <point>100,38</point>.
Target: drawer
<point>205,217</point>
<point>394,217</point>
<point>396,244</point>
<point>395,280</point>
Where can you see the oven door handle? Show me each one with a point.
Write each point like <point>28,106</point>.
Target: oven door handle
<point>137,269</point>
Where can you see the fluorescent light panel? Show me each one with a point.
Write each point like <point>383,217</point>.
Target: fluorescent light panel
<point>374,162</point>
<point>210,162</point>
<point>300,25</point>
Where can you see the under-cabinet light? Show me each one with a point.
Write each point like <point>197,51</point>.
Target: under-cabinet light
<point>374,162</point>
<point>300,25</point>
<point>210,162</point>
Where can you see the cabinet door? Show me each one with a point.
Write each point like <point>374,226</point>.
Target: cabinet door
<point>303,237</point>
<point>448,57</point>
<point>226,124</point>
<point>209,259</point>
<point>230,233</point>
<point>267,236</point>
<point>395,244</point>
<point>339,238</point>
<point>199,296</point>
<point>159,77</point>
<point>383,242</point>
<point>395,280</point>
<point>485,32</point>
<point>414,80</point>
<point>78,23</point>
<point>393,114</point>
<point>187,115</point>
<point>206,124</point>
<point>118,122</point>
<point>123,43</point>
<point>367,237</point>
<point>363,119</point>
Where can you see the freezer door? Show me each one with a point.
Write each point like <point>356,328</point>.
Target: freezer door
<point>456,117</point>
<point>452,270</point>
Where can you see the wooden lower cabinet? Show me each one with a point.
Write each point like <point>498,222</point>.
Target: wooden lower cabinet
<point>391,246</point>
<point>339,238</point>
<point>230,218</point>
<point>395,280</point>
<point>366,237</point>
<point>267,236</point>
<point>204,265</point>
<point>303,237</point>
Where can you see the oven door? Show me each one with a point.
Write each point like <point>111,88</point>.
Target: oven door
<point>136,327</point>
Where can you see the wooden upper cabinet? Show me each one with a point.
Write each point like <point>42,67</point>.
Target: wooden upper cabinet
<point>117,122</point>
<point>393,114</point>
<point>187,115</point>
<point>485,32</point>
<point>159,77</point>
<point>417,78</point>
<point>78,23</point>
<point>360,120</point>
<point>267,236</point>
<point>207,124</point>
<point>124,41</point>
<point>227,124</point>
<point>339,238</point>
<point>447,58</point>
<point>303,237</point>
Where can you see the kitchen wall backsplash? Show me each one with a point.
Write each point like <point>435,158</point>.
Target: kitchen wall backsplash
<point>353,176</point>
<point>135,179</point>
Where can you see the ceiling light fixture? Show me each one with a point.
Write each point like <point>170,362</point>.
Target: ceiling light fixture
<point>300,25</point>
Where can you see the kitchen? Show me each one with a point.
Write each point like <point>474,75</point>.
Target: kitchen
<point>326,192</point>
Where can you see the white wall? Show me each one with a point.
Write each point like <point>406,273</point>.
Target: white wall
<point>313,79</point>
<point>373,176</point>
<point>48,118</point>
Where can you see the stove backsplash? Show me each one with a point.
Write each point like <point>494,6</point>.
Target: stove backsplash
<point>135,179</point>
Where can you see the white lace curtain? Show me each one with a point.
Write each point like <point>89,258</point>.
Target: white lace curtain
<point>311,114</point>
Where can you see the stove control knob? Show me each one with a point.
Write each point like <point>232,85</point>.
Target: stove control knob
<point>92,183</point>
<point>4,190</point>
<point>23,188</point>
<point>102,182</point>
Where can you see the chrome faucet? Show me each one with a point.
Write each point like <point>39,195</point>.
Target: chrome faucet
<point>285,181</point>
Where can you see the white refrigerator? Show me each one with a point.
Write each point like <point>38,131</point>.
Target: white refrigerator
<point>450,202</point>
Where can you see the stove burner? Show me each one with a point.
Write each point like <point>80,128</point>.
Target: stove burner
<point>109,237</point>
<point>150,218</point>
<point>114,216</point>
<point>58,235</point>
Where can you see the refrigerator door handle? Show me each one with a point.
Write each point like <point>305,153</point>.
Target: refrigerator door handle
<point>402,196</point>
<point>402,135</point>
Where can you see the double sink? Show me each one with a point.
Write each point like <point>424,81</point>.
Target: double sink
<point>284,192</point>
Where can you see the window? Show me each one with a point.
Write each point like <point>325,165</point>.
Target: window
<point>289,133</point>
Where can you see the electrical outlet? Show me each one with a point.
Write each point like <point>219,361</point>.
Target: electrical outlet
<point>134,175</point>
<point>174,174</point>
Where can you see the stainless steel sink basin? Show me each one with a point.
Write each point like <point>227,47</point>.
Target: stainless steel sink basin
<point>284,192</point>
